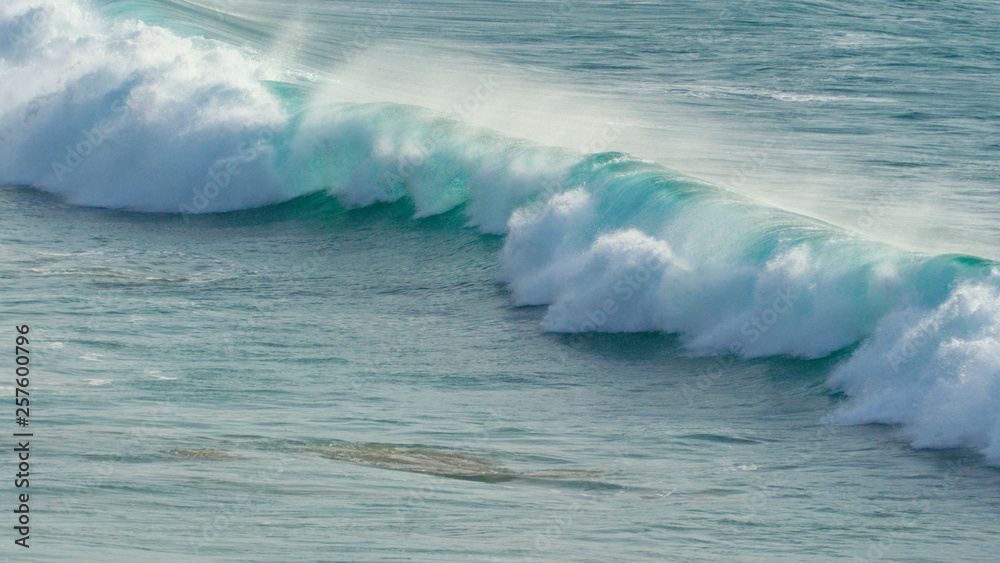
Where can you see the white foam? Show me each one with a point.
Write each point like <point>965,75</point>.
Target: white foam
<point>933,369</point>
<point>131,116</point>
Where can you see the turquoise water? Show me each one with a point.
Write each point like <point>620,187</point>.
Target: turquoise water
<point>544,281</point>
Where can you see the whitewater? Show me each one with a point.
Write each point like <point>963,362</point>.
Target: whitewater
<point>217,125</point>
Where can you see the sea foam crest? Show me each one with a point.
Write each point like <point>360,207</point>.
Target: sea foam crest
<point>127,115</point>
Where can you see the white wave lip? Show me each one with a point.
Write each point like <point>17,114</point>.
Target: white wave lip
<point>124,115</point>
<point>935,370</point>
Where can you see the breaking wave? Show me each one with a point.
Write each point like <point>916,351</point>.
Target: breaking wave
<point>121,114</point>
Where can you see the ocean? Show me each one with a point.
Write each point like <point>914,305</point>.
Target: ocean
<point>500,281</point>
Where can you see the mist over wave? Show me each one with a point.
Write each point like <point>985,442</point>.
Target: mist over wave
<point>121,114</point>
